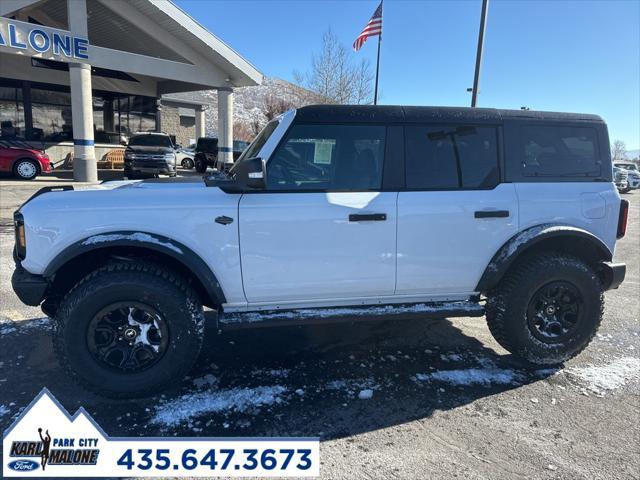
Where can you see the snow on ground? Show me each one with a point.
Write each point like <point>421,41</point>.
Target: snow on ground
<point>365,394</point>
<point>206,381</point>
<point>271,372</point>
<point>9,326</point>
<point>236,400</point>
<point>3,411</point>
<point>451,357</point>
<point>351,386</point>
<point>474,370</point>
<point>608,377</point>
<point>474,376</point>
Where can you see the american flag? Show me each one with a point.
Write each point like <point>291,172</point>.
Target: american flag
<point>373,28</point>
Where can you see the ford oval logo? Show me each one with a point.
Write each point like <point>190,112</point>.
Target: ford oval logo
<point>23,465</point>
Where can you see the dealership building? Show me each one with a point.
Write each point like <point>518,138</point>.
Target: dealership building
<point>79,76</point>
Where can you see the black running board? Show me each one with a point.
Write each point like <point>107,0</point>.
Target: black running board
<point>307,316</point>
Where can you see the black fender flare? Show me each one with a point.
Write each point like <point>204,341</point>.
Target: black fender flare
<point>525,240</point>
<point>151,241</point>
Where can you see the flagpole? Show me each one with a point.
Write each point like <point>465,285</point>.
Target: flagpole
<point>476,76</point>
<point>375,94</point>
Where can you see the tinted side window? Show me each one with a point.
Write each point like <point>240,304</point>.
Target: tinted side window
<point>563,151</point>
<point>328,157</point>
<point>451,157</point>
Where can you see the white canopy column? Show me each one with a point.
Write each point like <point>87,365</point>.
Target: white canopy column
<point>85,168</point>
<point>200,123</point>
<point>225,125</point>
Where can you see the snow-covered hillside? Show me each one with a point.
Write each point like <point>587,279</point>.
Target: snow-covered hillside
<point>250,103</point>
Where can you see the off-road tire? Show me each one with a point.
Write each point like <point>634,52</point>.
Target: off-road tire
<point>18,171</point>
<point>507,305</point>
<point>200,164</point>
<point>165,291</point>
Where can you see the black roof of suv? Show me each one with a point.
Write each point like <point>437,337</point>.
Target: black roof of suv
<point>402,114</point>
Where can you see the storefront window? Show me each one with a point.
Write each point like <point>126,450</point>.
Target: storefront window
<point>51,123</point>
<point>114,115</point>
<point>11,113</point>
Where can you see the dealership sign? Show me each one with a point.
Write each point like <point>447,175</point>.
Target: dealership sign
<point>46,441</point>
<point>45,42</point>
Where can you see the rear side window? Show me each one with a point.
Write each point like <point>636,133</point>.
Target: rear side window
<point>451,157</point>
<point>559,151</point>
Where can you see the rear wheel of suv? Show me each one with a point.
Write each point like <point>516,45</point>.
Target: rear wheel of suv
<point>26,169</point>
<point>129,330</point>
<point>201,164</point>
<point>547,308</point>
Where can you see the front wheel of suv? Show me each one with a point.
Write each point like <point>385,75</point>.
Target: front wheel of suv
<point>129,330</point>
<point>547,308</point>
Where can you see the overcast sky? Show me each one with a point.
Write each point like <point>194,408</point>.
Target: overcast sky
<point>577,56</point>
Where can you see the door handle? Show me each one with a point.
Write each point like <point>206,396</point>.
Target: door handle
<point>367,217</point>
<point>491,214</point>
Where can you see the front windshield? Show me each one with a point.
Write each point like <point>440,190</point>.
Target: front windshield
<point>150,141</point>
<point>254,148</point>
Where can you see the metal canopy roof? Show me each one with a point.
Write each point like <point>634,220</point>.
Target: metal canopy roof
<point>154,28</point>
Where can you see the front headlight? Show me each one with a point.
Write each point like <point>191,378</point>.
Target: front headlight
<point>129,155</point>
<point>170,157</point>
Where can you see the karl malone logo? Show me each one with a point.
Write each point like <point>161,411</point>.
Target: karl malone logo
<point>64,441</point>
<point>63,452</point>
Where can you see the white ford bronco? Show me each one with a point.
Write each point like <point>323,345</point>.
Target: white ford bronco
<point>334,212</point>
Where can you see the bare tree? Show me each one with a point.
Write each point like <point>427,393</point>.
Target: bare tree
<point>243,131</point>
<point>363,93</point>
<point>618,151</point>
<point>334,76</point>
<point>274,106</point>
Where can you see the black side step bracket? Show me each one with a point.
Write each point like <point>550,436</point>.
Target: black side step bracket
<point>309,316</point>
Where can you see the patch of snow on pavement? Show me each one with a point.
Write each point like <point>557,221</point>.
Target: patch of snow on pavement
<point>473,376</point>
<point>365,394</point>
<point>610,376</point>
<point>236,400</point>
<point>451,357</point>
<point>10,326</point>
<point>272,372</point>
<point>351,385</point>
<point>206,381</point>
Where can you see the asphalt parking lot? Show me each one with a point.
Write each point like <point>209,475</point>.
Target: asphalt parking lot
<point>441,398</point>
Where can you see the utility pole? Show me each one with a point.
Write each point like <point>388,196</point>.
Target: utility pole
<point>476,77</point>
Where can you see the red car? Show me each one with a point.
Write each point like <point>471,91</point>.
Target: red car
<point>23,161</point>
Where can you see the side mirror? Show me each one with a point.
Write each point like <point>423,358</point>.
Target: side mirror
<point>252,173</point>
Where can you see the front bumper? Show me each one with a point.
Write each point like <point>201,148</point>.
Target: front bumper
<point>612,274</point>
<point>634,183</point>
<point>29,288</point>
<point>149,166</point>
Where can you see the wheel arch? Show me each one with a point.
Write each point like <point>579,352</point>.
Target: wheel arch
<point>546,237</point>
<point>85,255</point>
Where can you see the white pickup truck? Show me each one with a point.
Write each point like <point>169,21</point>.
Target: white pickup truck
<point>334,213</point>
